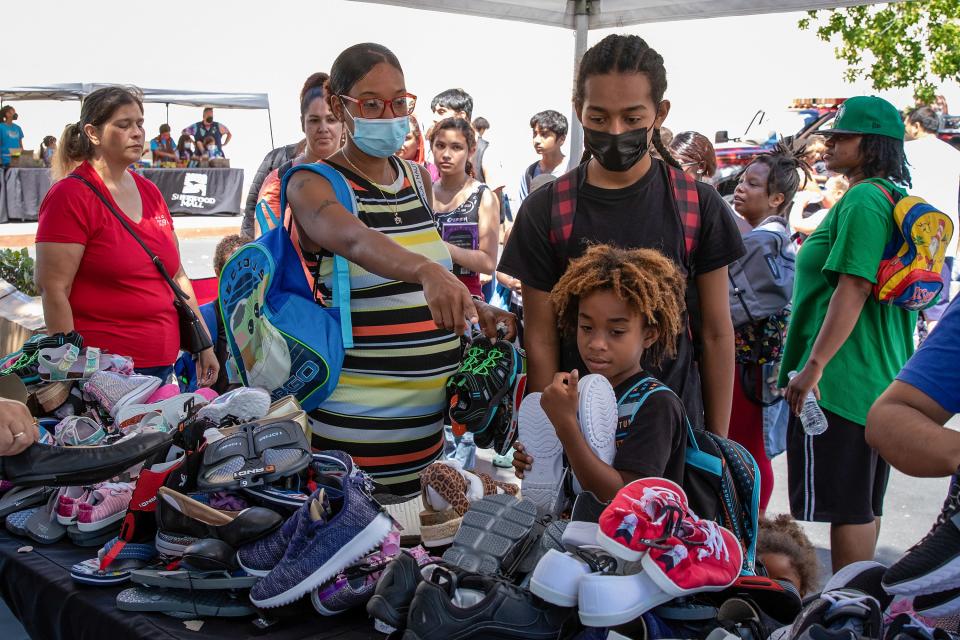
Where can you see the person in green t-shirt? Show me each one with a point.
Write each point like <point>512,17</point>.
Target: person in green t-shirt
<point>846,346</point>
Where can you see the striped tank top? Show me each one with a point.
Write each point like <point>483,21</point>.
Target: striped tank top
<point>387,410</point>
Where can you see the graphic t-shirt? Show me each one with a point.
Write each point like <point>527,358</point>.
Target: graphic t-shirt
<point>11,137</point>
<point>931,369</point>
<point>850,241</point>
<point>120,301</point>
<point>651,432</point>
<point>641,216</point>
<point>461,227</point>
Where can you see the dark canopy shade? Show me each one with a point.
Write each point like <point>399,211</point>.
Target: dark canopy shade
<point>78,91</point>
<point>585,15</point>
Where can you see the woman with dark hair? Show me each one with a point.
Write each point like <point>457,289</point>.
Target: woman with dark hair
<point>627,199</point>
<point>187,153</point>
<point>465,210</point>
<point>695,153</point>
<point>407,307</point>
<point>93,275</point>
<point>763,199</point>
<point>846,346</point>
<point>324,135</point>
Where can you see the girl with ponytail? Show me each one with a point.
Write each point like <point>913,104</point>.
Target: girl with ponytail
<point>626,198</point>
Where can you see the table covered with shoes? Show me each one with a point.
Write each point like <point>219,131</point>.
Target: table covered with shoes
<point>147,510</point>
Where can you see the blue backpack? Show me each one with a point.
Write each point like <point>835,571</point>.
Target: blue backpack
<point>280,338</point>
<point>720,477</point>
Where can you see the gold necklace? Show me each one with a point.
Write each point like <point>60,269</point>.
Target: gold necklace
<point>395,208</point>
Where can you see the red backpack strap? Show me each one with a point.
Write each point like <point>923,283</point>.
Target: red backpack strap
<point>562,212</point>
<point>886,192</point>
<point>688,206</point>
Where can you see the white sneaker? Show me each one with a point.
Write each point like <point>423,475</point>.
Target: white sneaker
<point>542,484</point>
<point>597,415</point>
<point>172,409</point>
<point>557,576</point>
<point>244,405</point>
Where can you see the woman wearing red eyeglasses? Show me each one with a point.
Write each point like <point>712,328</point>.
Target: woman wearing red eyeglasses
<point>407,307</point>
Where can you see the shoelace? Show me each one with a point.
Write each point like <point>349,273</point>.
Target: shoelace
<point>113,487</point>
<point>494,356</point>
<point>474,354</point>
<point>714,545</point>
<point>661,505</point>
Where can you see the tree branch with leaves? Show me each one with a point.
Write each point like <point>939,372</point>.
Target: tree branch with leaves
<point>912,45</point>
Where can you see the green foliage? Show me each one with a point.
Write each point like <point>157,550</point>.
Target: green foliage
<point>16,267</point>
<point>897,45</point>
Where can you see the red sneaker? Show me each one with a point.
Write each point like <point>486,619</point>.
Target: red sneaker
<point>644,513</point>
<point>703,556</point>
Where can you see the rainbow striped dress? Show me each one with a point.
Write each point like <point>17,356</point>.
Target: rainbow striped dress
<point>387,411</point>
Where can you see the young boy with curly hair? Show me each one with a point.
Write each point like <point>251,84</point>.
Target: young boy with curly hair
<point>787,553</point>
<point>624,306</point>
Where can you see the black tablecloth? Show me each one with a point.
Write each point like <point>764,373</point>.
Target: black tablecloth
<point>38,589</point>
<point>23,191</point>
<point>186,191</point>
<point>199,191</point>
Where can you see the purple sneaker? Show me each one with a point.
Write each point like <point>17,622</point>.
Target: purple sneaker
<point>355,585</point>
<point>325,541</point>
<point>260,557</point>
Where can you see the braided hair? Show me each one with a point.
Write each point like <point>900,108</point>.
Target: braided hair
<point>645,279</point>
<point>622,53</point>
<point>784,168</point>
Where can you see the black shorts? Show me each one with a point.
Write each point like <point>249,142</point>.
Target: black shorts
<point>836,476</point>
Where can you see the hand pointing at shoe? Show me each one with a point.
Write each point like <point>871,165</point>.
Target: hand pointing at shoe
<point>18,429</point>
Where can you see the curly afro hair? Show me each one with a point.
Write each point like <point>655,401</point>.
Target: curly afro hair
<point>783,535</point>
<point>649,282</point>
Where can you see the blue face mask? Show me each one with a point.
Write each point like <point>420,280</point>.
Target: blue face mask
<point>380,138</point>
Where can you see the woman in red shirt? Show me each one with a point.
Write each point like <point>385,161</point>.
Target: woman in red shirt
<point>93,276</point>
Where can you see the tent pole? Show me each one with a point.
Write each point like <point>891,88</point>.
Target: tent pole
<point>168,113</point>
<point>581,23</point>
<point>270,121</point>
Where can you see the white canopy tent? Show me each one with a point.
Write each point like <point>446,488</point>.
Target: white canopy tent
<point>79,91</point>
<point>584,15</point>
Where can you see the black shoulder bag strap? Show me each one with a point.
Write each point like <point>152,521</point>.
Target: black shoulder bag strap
<point>192,336</point>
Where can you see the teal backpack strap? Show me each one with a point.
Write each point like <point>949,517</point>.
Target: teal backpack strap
<point>341,268</point>
<point>262,211</point>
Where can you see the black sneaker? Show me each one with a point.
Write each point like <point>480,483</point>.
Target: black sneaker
<point>482,394</point>
<point>938,605</point>
<point>933,564</point>
<point>449,605</point>
<point>395,590</point>
<point>841,614</point>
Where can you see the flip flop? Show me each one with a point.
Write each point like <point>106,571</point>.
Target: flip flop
<point>221,604</point>
<point>202,580</point>
<point>43,526</point>
<point>17,522</point>
<point>89,572</point>
<point>20,498</point>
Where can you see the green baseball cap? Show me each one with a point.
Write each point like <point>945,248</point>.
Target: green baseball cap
<point>867,115</point>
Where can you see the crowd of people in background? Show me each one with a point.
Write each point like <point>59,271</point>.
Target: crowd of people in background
<point>436,239</point>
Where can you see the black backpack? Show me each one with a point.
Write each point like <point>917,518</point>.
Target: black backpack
<point>720,477</point>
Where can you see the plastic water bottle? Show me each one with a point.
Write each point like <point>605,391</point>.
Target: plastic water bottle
<point>811,415</point>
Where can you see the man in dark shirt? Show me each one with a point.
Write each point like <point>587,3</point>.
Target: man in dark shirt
<point>641,215</point>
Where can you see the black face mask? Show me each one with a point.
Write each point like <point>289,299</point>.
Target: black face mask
<point>616,152</point>
<point>208,119</point>
<point>16,115</point>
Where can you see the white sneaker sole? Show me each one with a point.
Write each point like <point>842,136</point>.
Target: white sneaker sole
<point>101,524</point>
<point>363,543</point>
<point>556,578</point>
<point>608,601</point>
<point>597,415</point>
<point>252,404</point>
<point>254,572</point>
<point>541,483</point>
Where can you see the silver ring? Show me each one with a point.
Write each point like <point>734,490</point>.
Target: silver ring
<point>19,435</point>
